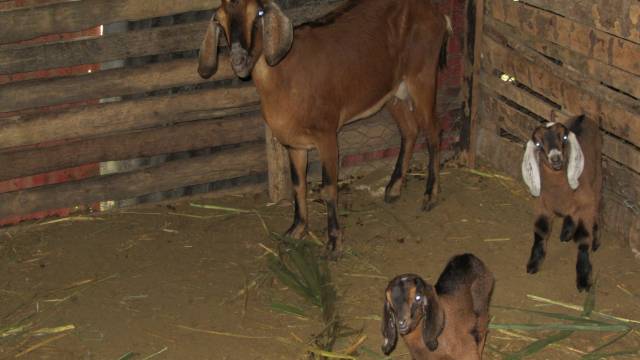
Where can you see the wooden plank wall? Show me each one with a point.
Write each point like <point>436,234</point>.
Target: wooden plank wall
<point>39,133</point>
<point>545,60</point>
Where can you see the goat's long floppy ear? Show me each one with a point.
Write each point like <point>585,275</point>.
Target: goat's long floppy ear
<point>433,322</point>
<point>208,57</point>
<point>576,161</point>
<point>277,33</point>
<point>389,330</point>
<point>531,169</point>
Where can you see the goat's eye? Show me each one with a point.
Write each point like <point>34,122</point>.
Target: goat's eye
<point>538,145</point>
<point>565,138</point>
<point>418,297</point>
<point>260,13</point>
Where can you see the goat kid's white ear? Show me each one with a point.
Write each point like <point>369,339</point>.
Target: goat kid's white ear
<point>576,161</point>
<point>277,34</point>
<point>208,57</point>
<point>531,169</point>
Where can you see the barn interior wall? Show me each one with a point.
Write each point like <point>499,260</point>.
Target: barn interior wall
<point>546,61</point>
<point>136,99</point>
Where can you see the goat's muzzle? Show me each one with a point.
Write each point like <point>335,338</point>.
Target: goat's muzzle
<point>240,60</point>
<point>555,159</point>
<point>403,327</point>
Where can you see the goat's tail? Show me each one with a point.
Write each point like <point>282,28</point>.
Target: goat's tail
<point>442,61</point>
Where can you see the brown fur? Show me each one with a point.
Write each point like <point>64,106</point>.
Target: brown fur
<point>558,199</point>
<point>344,68</point>
<point>462,296</point>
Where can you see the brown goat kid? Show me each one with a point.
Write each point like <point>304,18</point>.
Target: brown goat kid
<point>447,322</point>
<point>562,167</point>
<point>343,67</point>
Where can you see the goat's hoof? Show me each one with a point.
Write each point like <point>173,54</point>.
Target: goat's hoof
<point>428,205</point>
<point>595,246</point>
<point>333,251</point>
<point>583,283</point>
<point>533,267</point>
<point>565,237</point>
<point>390,199</point>
<point>296,231</point>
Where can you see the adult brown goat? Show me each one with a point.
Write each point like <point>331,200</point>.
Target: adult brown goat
<point>447,322</point>
<point>343,67</point>
<point>562,167</point>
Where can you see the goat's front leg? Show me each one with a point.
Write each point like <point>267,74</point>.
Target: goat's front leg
<point>541,233</point>
<point>433,134</point>
<point>584,238</point>
<point>328,151</point>
<point>298,159</point>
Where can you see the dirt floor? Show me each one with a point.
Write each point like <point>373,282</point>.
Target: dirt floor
<point>168,281</point>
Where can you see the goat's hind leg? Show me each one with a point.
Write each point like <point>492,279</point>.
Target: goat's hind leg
<point>405,119</point>
<point>541,233</point>
<point>584,239</point>
<point>298,159</point>
<point>328,151</point>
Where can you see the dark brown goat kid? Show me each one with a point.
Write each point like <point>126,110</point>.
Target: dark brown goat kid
<point>447,322</point>
<point>343,67</point>
<point>562,167</point>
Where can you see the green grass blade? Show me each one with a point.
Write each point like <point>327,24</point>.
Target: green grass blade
<point>612,354</point>
<point>288,279</point>
<point>594,354</point>
<point>589,302</point>
<point>288,309</point>
<point>538,345</point>
<point>560,326</point>
<point>553,315</point>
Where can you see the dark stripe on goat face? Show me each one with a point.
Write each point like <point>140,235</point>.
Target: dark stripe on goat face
<point>568,229</point>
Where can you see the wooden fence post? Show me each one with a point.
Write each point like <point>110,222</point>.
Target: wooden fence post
<point>278,169</point>
<point>469,133</point>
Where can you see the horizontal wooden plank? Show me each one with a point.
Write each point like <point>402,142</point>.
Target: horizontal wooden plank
<point>499,152</point>
<point>65,17</point>
<point>105,84</point>
<point>160,40</point>
<point>150,142</point>
<point>222,165</point>
<point>522,125</point>
<point>507,117</point>
<point>587,41</point>
<point>574,98</point>
<point>121,116</point>
<point>580,68</point>
<point>619,18</point>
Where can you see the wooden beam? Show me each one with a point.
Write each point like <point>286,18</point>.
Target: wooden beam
<point>25,24</point>
<point>122,116</point>
<point>105,84</point>
<point>279,170</point>
<point>619,18</point>
<point>578,68</point>
<point>159,40</point>
<point>582,39</point>
<point>222,165</point>
<point>149,142</point>
<point>473,81</point>
<point>553,83</point>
